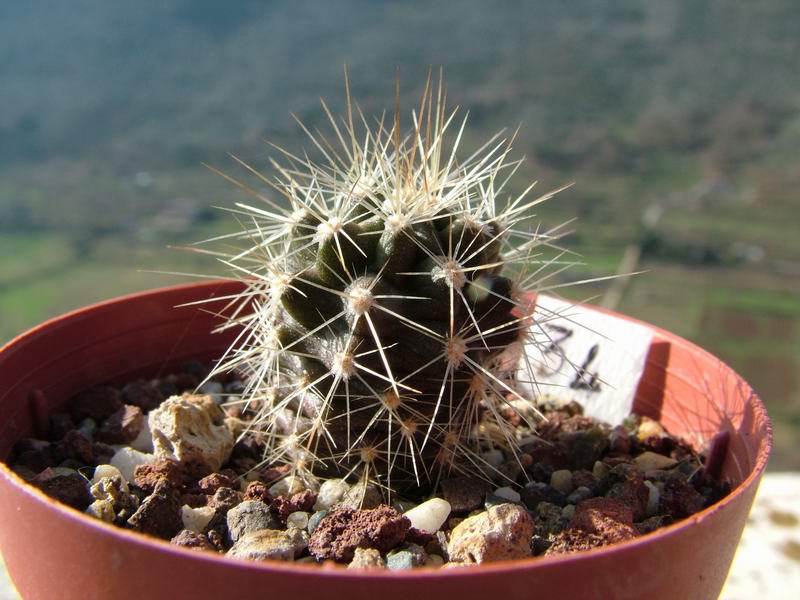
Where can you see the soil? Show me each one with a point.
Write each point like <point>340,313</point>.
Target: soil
<point>582,483</point>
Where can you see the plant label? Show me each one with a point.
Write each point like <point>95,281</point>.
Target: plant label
<point>577,353</point>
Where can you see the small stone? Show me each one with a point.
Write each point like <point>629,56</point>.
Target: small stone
<point>434,560</point>
<point>651,461</point>
<point>122,427</point>
<point>196,519</point>
<point>144,441</point>
<point>606,517</point>
<point>501,533</point>
<point>362,496</point>
<point>314,520</point>
<point>548,519</point>
<point>535,492</point>
<point>88,427</point>
<point>508,494</point>
<point>367,558</point>
<point>568,512</point>
<point>653,498</point>
<point>648,429</point>
<point>600,470</point>
<point>627,484</point>
<point>249,516</point>
<point>430,515</point>
<point>344,529</point>
<point>147,476</point>
<point>159,513</point>
<point>584,478</point>
<point>679,499</point>
<point>103,471</point>
<point>225,499</point>
<point>464,494</point>
<point>143,394</point>
<point>211,483</point>
<point>214,389</point>
<point>561,480</point>
<point>270,544</point>
<point>584,447</point>
<point>192,540</point>
<point>76,446</point>
<point>127,459</point>
<point>191,428</point>
<point>256,490</point>
<point>65,485</point>
<point>574,540</point>
<point>302,501</point>
<point>113,503</point>
<point>619,440</point>
<point>493,458</point>
<point>406,557</point>
<point>288,486</point>
<point>298,520</point>
<point>98,403</point>
<point>579,495</point>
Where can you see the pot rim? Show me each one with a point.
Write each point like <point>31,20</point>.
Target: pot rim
<point>330,569</point>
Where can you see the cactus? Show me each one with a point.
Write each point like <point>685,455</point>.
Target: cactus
<point>381,331</point>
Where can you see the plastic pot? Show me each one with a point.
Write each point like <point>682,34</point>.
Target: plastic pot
<point>55,552</point>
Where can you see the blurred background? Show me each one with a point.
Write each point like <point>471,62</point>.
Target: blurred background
<point>679,122</point>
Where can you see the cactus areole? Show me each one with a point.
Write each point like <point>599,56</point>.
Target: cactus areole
<point>382,327</point>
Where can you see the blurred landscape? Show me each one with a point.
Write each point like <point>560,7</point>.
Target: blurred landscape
<point>678,121</point>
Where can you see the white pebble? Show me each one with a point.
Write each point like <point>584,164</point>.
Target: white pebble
<point>331,492</point>
<point>213,389</point>
<point>507,494</point>
<point>430,515</point>
<point>144,441</point>
<point>127,459</point>
<point>103,471</point>
<point>652,461</point>
<point>196,519</point>
<point>298,520</point>
<point>653,498</point>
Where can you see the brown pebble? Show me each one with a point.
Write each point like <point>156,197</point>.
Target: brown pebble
<point>122,427</point>
<point>192,540</point>
<point>97,403</point>
<point>159,513</point>
<point>148,476</point>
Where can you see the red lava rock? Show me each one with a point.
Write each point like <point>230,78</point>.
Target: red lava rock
<point>606,517</point>
<point>627,485</point>
<point>679,499</point>
<point>273,474</point>
<point>419,537</point>
<point>583,478</point>
<point>256,490</point>
<point>159,513</point>
<point>225,499</point>
<point>77,446</point>
<point>143,394</point>
<point>148,476</point>
<point>574,540</point>
<point>122,427</point>
<point>192,540</point>
<point>304,501</point>
<point>71,489</point>
<point>35,455</point>
<point>60,424</point>
<point>97,403</point>
<point>344,529</point>
<point>211,483</point>
<point>608,507</point>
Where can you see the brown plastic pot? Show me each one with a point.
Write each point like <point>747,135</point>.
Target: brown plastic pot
<point>53,552</point>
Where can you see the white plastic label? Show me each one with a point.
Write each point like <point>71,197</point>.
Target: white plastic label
<point>576,353</point>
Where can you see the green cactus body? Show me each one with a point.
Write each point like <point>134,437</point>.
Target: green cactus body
<point>378,325</point>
